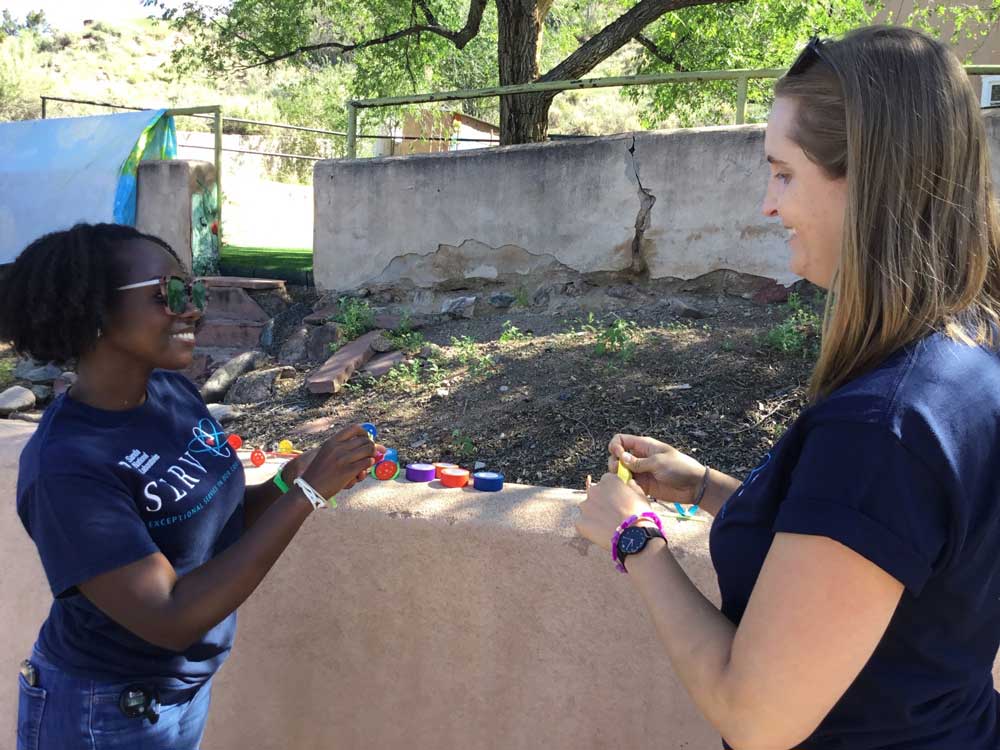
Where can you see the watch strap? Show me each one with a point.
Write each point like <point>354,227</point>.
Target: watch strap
<point>650,534</point>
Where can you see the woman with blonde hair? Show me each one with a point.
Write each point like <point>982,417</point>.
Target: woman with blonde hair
<point>858,563</point>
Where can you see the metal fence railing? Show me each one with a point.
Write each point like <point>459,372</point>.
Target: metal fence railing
<point>740,76</point>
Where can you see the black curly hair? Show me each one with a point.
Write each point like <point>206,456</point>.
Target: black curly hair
<point>54,296</point>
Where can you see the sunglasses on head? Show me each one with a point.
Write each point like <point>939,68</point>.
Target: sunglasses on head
<point>177,293</point>
<point>808,56</point>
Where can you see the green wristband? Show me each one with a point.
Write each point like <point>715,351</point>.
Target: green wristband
<point>279,482</point>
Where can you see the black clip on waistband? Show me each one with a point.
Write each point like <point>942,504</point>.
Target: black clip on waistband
<point>138,702</point>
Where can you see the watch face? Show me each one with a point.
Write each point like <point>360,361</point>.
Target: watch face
<point>632,540</point>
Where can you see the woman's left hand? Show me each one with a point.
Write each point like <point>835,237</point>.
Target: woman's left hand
<point>297,466</point>
<point>608,503</point>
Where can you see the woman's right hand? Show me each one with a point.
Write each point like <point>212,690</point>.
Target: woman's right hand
<point>340,461</point>
<point>661,470</point>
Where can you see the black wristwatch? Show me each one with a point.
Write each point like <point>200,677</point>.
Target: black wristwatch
<point>634,539</point>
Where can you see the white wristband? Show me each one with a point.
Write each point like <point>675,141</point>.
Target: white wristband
<point>318,501</point>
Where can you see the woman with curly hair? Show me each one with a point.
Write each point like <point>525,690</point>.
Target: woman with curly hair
<point>149,538</point>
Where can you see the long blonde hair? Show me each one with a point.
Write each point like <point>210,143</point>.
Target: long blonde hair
<point>893,111</point>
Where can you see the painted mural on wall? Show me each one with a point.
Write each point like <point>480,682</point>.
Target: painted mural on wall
<point>205,230</point>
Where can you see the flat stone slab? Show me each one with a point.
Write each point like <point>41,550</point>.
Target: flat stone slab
<point>381,364</point>
<point>337,370</point>
<point>235,304</point>
<point>229,334</point>
<point>318,317</point>
<point>244,282</point>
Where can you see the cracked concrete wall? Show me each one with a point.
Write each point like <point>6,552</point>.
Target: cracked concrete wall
<point>673,204</point>
<point>479,214</point>
<point>709,184</point>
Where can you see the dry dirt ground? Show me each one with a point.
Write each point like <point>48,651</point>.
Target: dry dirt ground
<point>540,404</point>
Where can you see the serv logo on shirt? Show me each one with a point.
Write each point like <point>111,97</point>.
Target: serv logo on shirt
<point>185,474</point>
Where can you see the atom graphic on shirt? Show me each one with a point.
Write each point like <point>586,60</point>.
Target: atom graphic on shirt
<point>209,438</point>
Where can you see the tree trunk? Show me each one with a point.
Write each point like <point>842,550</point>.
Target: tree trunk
<point>524,118</point>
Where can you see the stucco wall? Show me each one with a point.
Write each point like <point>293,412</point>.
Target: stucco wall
<point>163,201</point>
<point>679,204</point>
<point>421,618</point>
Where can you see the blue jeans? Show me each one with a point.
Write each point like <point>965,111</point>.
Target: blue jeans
<point>68,713</point>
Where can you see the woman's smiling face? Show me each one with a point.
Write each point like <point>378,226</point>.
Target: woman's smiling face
<point>810,204</point>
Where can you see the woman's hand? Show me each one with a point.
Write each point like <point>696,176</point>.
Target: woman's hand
<point>339,463</point>
<point>297,466</point>
<point>662,471</point>
<point>608,503</point>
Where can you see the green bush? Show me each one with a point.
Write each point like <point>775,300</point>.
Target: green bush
<point>468,354</point>
<point>799,332</point>
<point>618,340</point>
<point>356,317</point>
<point>511,332</point>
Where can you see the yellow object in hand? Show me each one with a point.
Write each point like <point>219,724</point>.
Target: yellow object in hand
<point>623,473</point>
<point>285,446</point>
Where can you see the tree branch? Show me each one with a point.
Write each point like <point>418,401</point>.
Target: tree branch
<point>615,35</point>
<point>459,38</point>
<point>228,29</point>
<point>428,14</point>
<point>670,58</point>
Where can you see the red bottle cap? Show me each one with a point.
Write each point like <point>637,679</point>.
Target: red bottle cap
<point>454,477</point>
<point>386,470</point>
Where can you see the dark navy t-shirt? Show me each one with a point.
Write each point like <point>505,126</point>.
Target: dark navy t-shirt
<point>902,465</point>
<point>98,490</point>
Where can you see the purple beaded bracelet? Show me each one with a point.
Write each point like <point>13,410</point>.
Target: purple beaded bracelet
<point>624,525</point>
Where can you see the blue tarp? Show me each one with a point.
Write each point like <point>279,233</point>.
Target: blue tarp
<point>55,173</point>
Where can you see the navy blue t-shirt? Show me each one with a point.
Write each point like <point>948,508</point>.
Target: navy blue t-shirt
<point>98,490</point>
<point>902,465</point>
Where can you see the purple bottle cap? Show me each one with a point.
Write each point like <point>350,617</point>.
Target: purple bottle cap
<point>420,473</point>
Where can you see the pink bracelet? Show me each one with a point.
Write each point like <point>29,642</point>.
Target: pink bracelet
<point>624,525</point>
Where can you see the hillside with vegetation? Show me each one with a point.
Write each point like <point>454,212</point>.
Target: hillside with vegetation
<point>131,64</point>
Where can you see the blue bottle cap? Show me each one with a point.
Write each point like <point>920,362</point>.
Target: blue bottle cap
<point>371,429</point>
<point>487,481</point>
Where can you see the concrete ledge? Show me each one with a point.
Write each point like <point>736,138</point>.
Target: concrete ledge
<point>417,617</point>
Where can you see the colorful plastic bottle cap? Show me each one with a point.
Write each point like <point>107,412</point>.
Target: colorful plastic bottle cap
<point>420,472</point>
<point>371,429</point>
<point>235,441</point>
<point>257,458</point>
<point>385,470</point>
<point>391,455</point>
<point>623,473</point>
<point>454,477</point>
<point>487,481</point>
<point>379,455</point>
<point>439,467</point>
<point>285,446</point>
